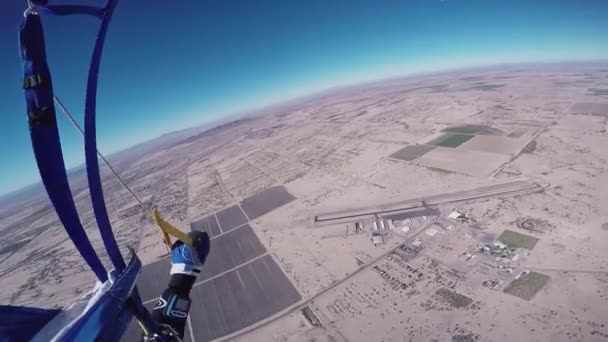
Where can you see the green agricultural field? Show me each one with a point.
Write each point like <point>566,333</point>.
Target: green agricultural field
<point>527,285</point>
<point>451,140</point>
<point>466,129</point>
<point>474,129</point>
<point>411,152</point>
<point>517,240</point>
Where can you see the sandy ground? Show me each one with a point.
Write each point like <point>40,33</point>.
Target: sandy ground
<point>331,152</point>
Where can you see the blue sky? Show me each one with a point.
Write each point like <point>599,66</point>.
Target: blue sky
<point>171,65</point>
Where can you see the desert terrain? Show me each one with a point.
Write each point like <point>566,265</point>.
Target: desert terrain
<point>468,205</point>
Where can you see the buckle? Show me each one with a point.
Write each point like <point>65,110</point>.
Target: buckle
<point>42,117</point>
<point>35,81</point>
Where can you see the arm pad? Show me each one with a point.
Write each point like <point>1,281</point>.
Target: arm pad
<point>174,304</point>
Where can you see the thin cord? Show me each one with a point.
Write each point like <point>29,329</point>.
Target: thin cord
<point>122,182</point>
<point>73,121</point>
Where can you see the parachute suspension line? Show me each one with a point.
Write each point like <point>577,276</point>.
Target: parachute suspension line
<point>112,170</point>
<point>165,226</point>
<point>91,153</point>
<point>101,156</point>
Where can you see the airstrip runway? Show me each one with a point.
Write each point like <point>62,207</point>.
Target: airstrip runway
<point>507,188</point>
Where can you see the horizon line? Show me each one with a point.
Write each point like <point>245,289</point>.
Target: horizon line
<point>256,109</point>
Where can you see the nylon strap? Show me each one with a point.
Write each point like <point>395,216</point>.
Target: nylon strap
<point>46,143</point>
<point>90,146</point>
<point>169,229</point>
<point>35,81</point>
<point>93,174</point>
<point>47,148</point>
<point>71,9</point>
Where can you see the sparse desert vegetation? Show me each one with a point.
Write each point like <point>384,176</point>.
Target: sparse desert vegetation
<point>424,142</point>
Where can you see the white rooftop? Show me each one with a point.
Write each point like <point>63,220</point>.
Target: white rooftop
<point>454,215</point>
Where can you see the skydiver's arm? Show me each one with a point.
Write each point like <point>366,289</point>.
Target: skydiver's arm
<point>171,310</point>
<point>174,304</point>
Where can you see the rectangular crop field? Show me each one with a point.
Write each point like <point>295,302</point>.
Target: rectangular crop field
<point>527,285</point>
<point>466,129</point>
<point>517,240</point>
<point>266,201</point>
<point>411,152</point>
<point>451,140</point>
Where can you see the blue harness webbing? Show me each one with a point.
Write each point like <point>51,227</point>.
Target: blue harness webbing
<point>92,163</point>
<point>45,139</point>
<point>90,145</point>
<point>71,9</point>
<point>49,157</point>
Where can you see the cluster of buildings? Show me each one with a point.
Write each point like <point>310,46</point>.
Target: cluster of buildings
<point>462,217</point>
<point>377,224</point>
<point>500,251</point>
<point>380,228</point>
<point>503,258</point>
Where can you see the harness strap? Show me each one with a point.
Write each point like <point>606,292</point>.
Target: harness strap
<point>90,146</point>
<point>45,140</point>
<point>93,173</point>
<point>42,117</point>
<point>71,9</point>
<point>35,81</point>
<point>47,148</point>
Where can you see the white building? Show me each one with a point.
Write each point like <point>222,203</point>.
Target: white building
<point>500,245</point>
<point>431,231</point>
<point>377,239</point>
<point>454,215</point>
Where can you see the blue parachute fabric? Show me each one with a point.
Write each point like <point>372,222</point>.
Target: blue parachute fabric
<point>19,323</point>
<point>92,163</point>
<point>102,316</point>
<point>90,145</point>
<point>71,9</point>
<point>45,138</point>
<point>123,317</point>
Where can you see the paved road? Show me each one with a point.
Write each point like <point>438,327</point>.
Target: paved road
<point>497,171</point>
<point>567,270</point>
<point>486,191</point>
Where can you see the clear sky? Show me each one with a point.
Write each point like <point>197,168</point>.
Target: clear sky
<point>172,64</point>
